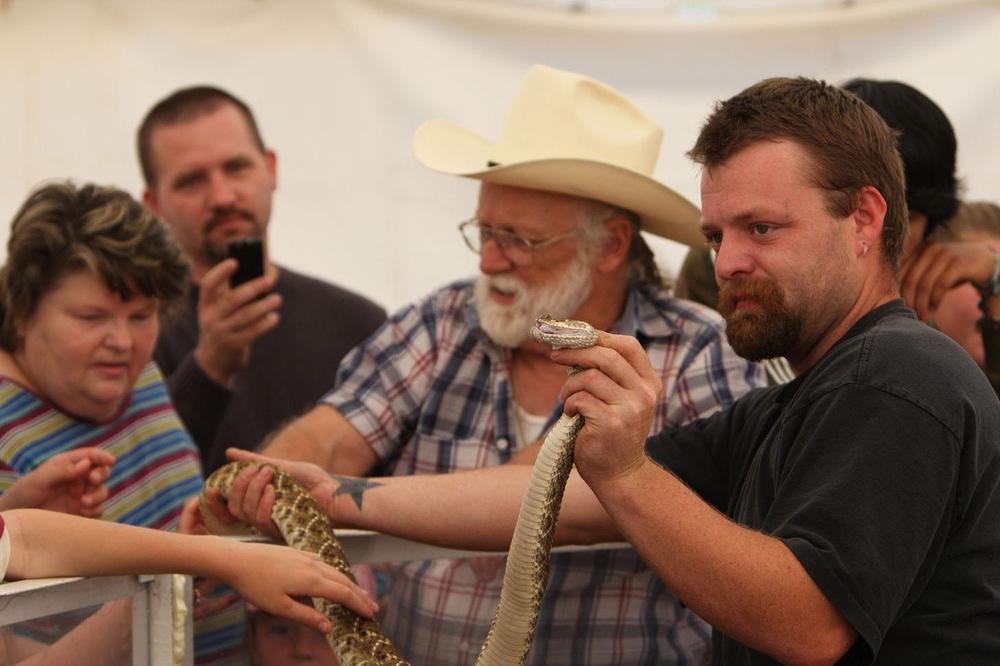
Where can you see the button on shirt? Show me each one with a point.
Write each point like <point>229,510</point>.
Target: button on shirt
<point>431,393</point>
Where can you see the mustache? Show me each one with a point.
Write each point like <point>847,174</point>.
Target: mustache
<point>762,291</point>
<point>220,215</point>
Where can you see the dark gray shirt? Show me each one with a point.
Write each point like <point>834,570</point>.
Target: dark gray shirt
<point>879,467</point>
<point>290,368</point>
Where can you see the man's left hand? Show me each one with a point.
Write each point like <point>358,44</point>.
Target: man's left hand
<point>616,393</point>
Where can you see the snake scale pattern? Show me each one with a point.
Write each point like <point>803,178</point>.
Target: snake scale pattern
<point>359,642</point>
<point>354,640</point>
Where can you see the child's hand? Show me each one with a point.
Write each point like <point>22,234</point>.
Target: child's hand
<point>68,482</point>
<point>270,576</point>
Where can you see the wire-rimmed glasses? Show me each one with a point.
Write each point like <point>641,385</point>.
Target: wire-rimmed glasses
<point>517,249</point>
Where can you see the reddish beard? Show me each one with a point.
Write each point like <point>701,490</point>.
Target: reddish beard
<point>765,326</point>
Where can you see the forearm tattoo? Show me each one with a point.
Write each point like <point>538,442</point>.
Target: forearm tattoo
<point>353,486</point>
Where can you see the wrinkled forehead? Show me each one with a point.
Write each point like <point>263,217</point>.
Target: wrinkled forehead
<point>519,208</point>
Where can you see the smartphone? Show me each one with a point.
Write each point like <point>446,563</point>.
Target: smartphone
<point>249,254</point>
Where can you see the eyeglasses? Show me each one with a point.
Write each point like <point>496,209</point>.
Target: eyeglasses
<point>517,249</point>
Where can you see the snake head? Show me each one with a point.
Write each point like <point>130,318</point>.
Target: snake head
<point>564,332</point>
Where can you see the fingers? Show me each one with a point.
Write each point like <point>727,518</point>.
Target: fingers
<point>92,502</point>
<point>191,521</point>
<point>247,319</point>
<point>216,279</point>
<point>90,465</point>
<point>242,455</point>
<point>934,268</point>
<point>96,456</point>
<point>251,499</point>
<point>229,320</point>
<point>338,588</point>
<point>217,296</point>
<point>308,615</point>
<point>617,363</point>
<point>927,277</point>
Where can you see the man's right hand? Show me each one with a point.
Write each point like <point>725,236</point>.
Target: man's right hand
<point>229,320</point>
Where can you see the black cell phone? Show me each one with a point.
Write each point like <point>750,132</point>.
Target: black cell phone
<point>249,253</point>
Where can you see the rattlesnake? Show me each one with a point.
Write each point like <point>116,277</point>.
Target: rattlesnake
<point>359,642</point>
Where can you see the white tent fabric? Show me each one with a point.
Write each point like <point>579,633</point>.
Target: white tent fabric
<point>339,86</point>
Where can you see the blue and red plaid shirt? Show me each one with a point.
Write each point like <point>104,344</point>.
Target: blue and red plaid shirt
<point>431,393</point>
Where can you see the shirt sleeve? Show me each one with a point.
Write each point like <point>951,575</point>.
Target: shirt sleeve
<point>4,549</point>
<point>382,384</point>
<point>701,455</point>
<point>844,501</point>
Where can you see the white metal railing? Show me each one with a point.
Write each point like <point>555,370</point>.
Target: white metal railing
<point>161,621</point>
<point>161,628</point>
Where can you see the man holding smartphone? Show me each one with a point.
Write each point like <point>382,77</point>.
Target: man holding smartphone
<point>209,175</point>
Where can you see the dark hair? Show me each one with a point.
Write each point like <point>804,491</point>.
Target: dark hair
<point>62,229</point>
<point>850,145</point>
<point>182,106</point>
<point>926,143</point>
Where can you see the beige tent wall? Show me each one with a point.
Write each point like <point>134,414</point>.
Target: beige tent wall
<point>340,85</point>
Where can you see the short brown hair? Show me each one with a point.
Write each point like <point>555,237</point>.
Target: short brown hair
<point>850,144</point>
<point>182,106</point>
<point>62,228</point>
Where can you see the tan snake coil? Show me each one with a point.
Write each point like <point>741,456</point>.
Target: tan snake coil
<point>354,640</point>
<point>359,642</point>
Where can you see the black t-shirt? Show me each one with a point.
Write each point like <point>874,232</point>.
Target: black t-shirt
<point>879,468</point>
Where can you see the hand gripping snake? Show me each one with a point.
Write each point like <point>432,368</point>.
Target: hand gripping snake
<point>359,642</point>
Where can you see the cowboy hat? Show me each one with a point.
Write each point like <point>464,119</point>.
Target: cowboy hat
<point>570,134</point>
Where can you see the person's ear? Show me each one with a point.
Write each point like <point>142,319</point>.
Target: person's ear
<point>618,239</point>
<point>868,219</point>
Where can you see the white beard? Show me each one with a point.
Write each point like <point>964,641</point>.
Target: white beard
<point>510,325</point>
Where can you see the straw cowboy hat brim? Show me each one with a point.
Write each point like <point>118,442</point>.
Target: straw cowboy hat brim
<point>448,148</point>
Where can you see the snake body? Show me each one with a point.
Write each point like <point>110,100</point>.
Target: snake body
<point>354,640</point>
<point>527,570</point>
<point>359,642</point>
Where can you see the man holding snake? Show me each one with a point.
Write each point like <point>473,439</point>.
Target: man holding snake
<point>850,516</point>
<point>454,382</point>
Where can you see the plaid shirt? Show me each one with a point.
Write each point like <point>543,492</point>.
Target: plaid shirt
<point>431,393</point>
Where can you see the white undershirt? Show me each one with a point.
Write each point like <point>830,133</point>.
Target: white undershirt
<point>529,426</point>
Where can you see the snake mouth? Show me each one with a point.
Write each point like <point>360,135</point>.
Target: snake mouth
<point>549,329</point>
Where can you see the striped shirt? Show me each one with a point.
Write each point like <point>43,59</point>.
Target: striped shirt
<point>156,464</point>
<point>431,393</point>
<point>156,469</point>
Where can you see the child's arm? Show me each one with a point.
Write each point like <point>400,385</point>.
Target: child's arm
<point>45,544</point>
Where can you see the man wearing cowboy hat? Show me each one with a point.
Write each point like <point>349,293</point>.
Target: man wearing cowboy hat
<point>454,381</point>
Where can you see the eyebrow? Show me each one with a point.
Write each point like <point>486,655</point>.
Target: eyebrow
<point>747,216</point>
